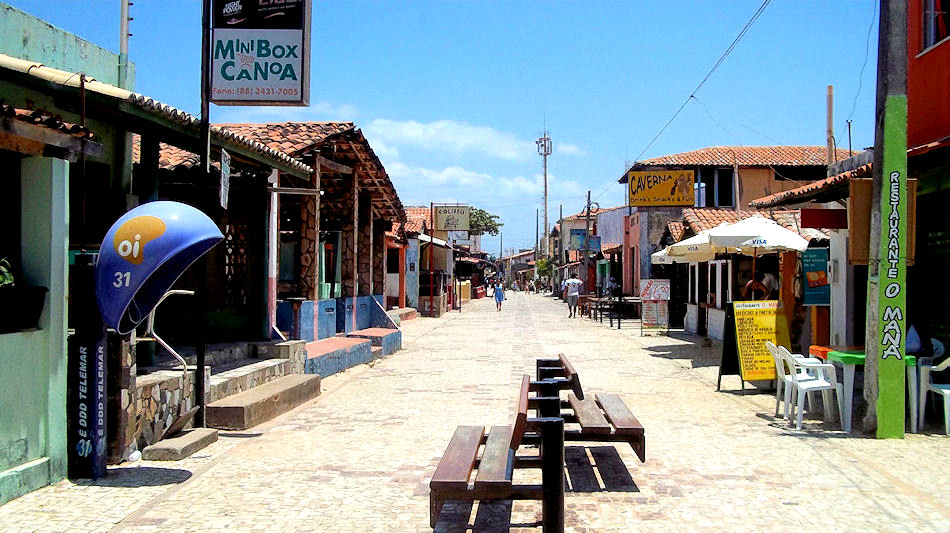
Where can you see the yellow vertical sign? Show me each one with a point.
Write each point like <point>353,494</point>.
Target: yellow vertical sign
<point>757,322</point>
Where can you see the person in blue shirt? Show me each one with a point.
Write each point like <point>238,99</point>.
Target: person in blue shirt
<point>499,294</point>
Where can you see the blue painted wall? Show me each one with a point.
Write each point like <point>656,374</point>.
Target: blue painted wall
<point>364,313</point>
<point>339,360</point>
<point>391,343</point>
<point>326,318</point>
<point>285,319</point>
<point>412,274</point>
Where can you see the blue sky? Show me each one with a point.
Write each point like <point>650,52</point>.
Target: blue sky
<point>452,95</point>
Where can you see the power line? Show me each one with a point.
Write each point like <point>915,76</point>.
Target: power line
<point>750,128</point>
<point>692,94</point>
<point>867,48</point>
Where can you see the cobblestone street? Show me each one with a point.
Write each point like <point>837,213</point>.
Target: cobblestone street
<point>358,458</point>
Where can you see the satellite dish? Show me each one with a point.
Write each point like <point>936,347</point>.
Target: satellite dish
<point>142,256</point>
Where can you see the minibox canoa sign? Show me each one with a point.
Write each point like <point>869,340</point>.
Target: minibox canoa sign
<point>260,52</point>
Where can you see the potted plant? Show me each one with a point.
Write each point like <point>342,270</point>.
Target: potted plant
<point>20,305</point>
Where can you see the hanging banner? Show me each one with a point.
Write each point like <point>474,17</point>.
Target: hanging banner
<point>225,178</point>
<point>817,288</point>
<point>452,217</point>
<point>260,52</point>
<point>660,188</point>
<point>757,322</point>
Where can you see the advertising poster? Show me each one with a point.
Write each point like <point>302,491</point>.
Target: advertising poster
<point>260,52</point>
<point>654,289</point>
<point>452,217</point>
<point>757,322</point>
<point>655,314</point>
<point>577,241</point>
<point>660,188</point>
<point>815,266</point>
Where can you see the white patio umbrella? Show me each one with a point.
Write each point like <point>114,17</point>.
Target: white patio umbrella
<point>756,234</point>
<point>664,257</point>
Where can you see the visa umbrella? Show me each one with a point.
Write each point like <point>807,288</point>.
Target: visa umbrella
<point>664,257</point>
<point>754,234</point>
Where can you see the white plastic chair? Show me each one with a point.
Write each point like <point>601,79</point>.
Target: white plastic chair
<point>925,367</point>
<point>813,377</point>
<point>782,379</point>
<point>784,372</point>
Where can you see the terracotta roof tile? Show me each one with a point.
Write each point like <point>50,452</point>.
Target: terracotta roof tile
<point>416,217</point>
<point>610,247</point>
<point>745,156</point>
<point>749,156</point>
<point>44,119</point>
<point>593,214</point>
<point>821,188</point>
<point>677,229</point>
<point>169,157</point>
<point>294,138</point>
<point>705,218</point>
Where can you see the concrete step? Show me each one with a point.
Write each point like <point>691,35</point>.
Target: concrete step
<point>389,339</point>
<point>329,356</point>
<point>260,404</point>
<point>180,446</point>
<point>404,313</point>
<point>245,376</point>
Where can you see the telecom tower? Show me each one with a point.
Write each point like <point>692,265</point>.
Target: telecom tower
<point>544,150</point>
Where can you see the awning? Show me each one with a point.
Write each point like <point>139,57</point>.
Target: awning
<point>140,114</point>
<point>438,242</point>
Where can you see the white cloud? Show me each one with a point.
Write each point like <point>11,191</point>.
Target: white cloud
<point>319,111</point>
<point>570,149</point>
<point>451,136</point>
<point>385,151</point>
<point>417,182</point>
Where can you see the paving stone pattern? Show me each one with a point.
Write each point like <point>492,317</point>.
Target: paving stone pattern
<point>358,457</point>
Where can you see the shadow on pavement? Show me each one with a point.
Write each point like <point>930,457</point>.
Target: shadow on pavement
<point>138,476</point>
<point>699,355</point>
<point>582,476</point>
<point>582,473</point>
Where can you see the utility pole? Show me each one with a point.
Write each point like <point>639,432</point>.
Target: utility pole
<point>886,313</point>
<point>560,233</point>
<point>537,242</point>
<point>124,35</point>
<point>830,126</point>
<point>544,150</point>
<point>586,241</point>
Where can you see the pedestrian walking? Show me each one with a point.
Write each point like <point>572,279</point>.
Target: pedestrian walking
<point>573,287</point>
<point>499,294</point>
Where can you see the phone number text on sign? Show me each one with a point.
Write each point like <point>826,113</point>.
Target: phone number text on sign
<point>266,67</point>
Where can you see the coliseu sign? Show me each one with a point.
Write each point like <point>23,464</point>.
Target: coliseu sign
<point>259,52</point>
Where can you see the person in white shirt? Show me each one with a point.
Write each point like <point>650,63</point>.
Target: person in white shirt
<point>771,284</point>
<point>573,287</point>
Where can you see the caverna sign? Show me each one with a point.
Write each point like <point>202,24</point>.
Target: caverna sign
<point>660,187</point>
<point>260,52</point>
<point>452,217</point>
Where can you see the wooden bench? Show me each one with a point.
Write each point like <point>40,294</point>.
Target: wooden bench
<point>604,418</point>
<point>494,467</point>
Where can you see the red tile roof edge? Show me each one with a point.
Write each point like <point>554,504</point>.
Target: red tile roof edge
<point>810,190</point>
